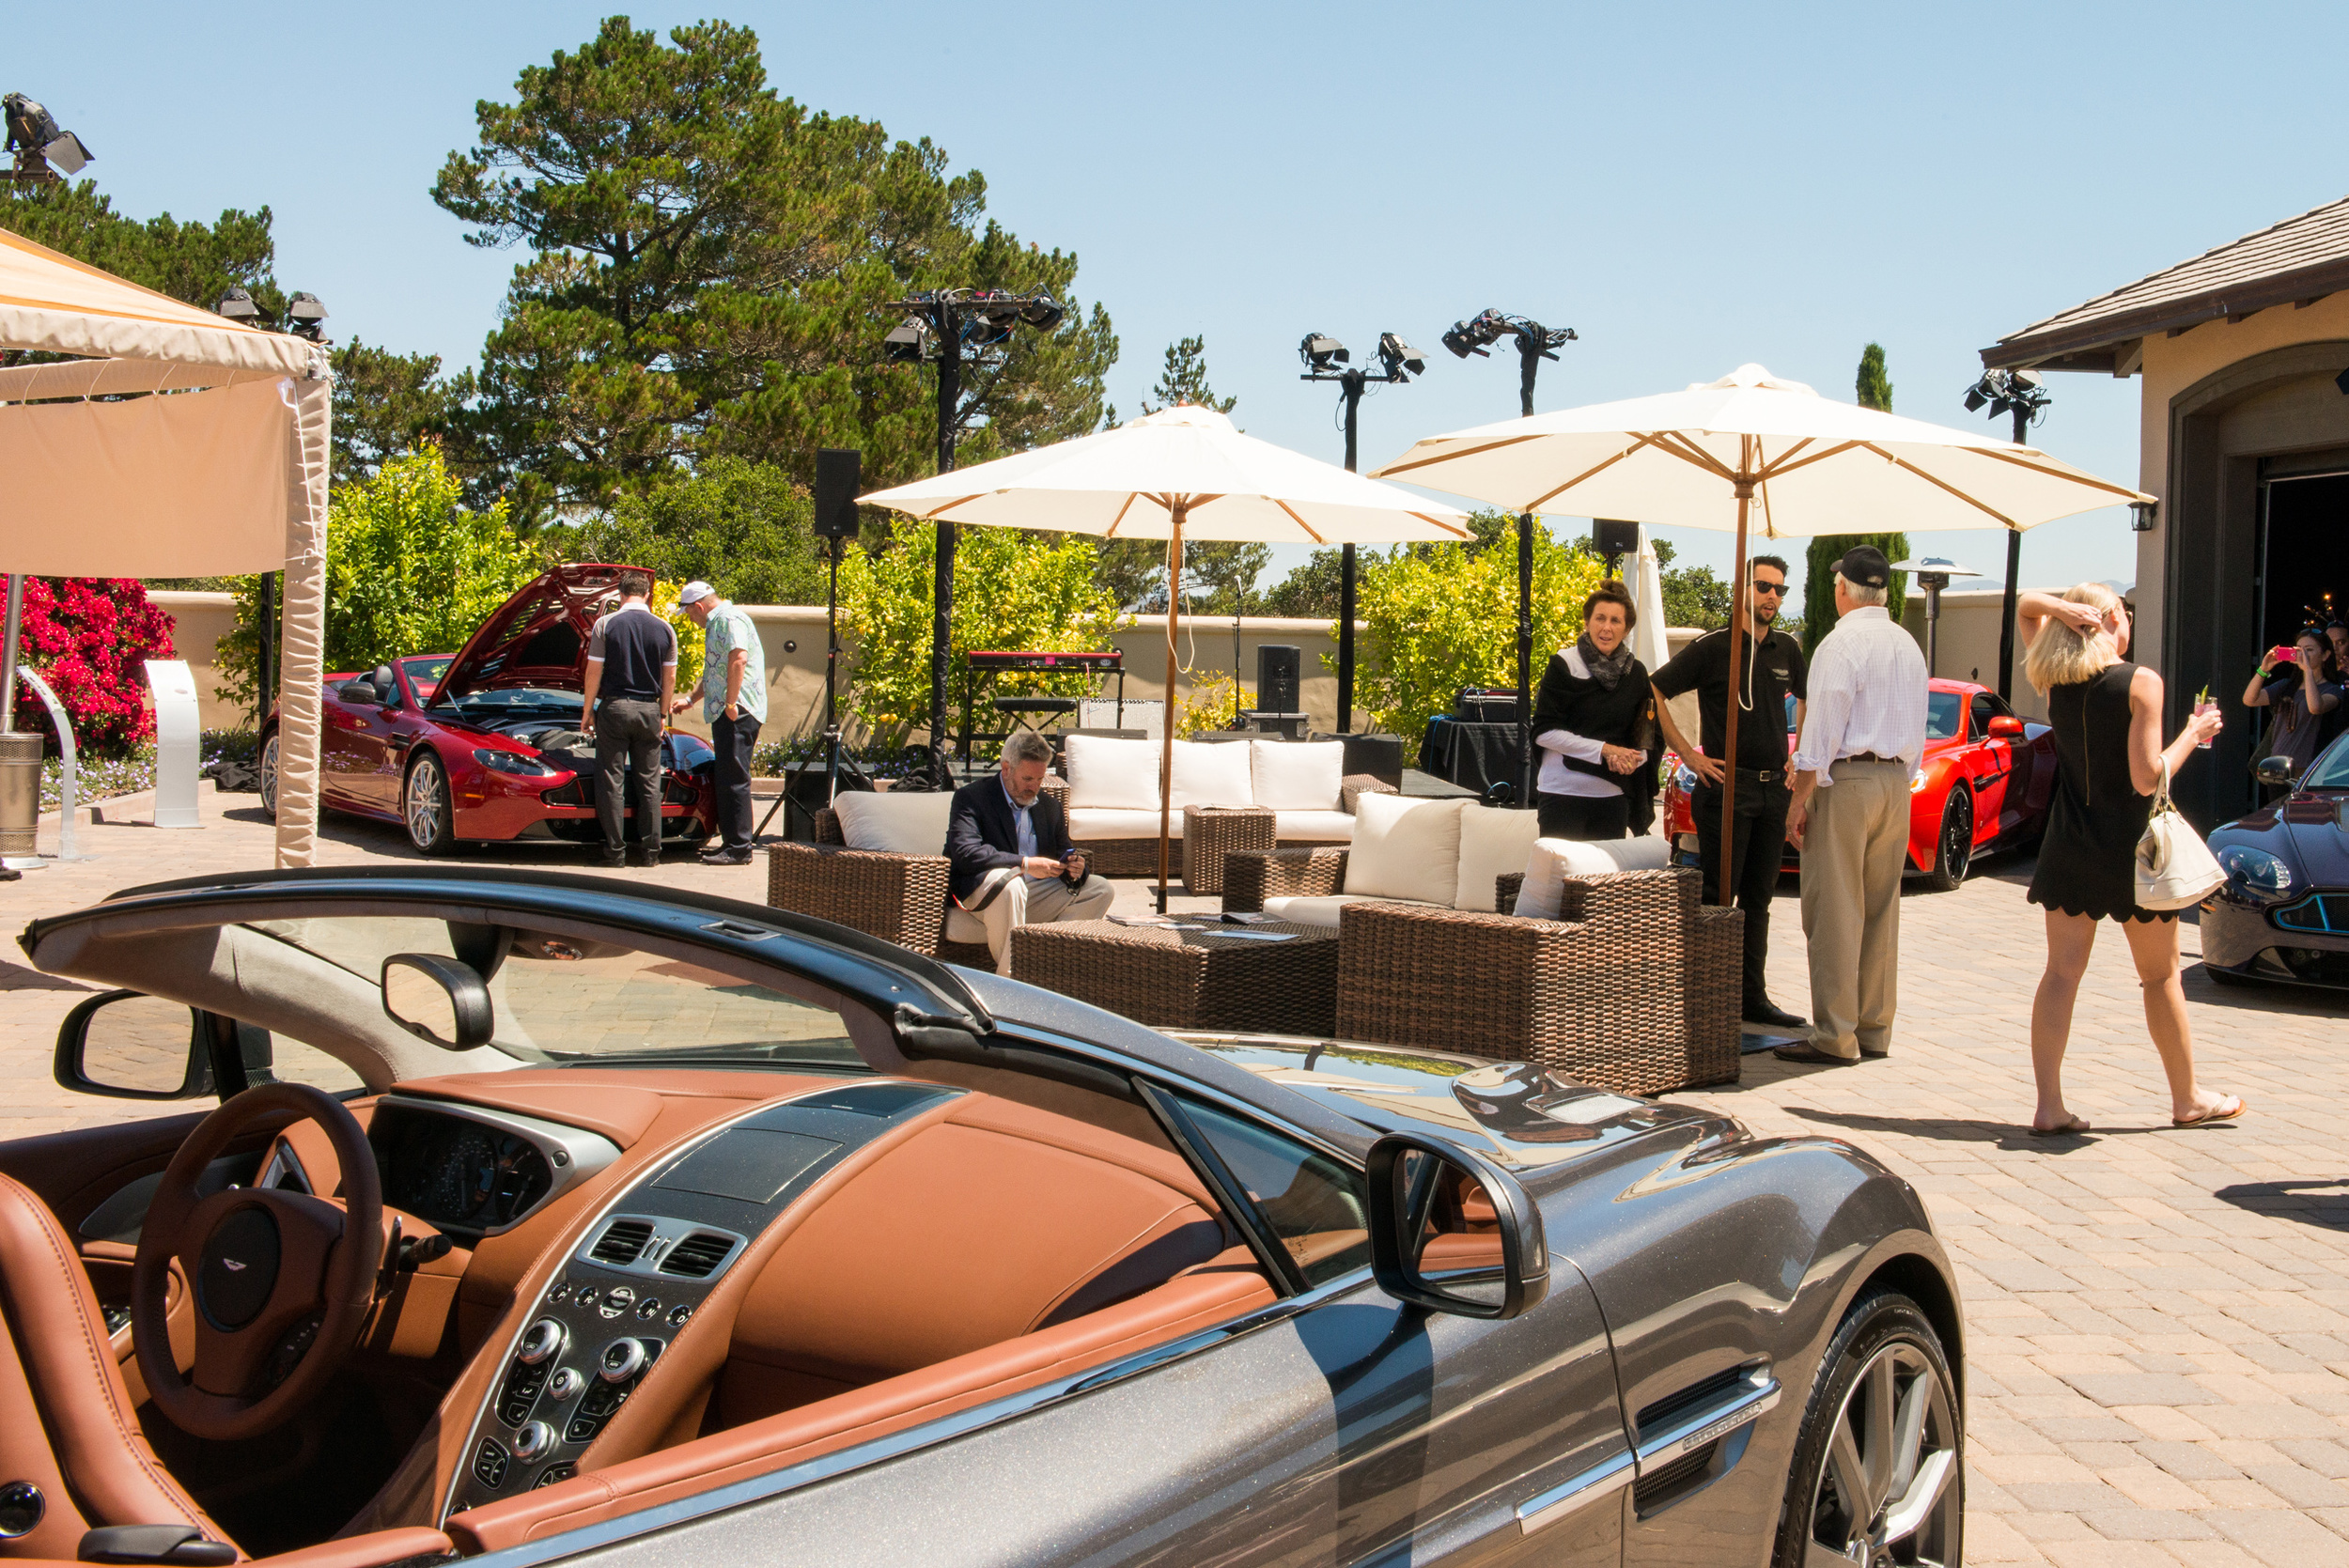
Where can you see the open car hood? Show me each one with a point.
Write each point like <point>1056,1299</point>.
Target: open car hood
<point>538,637</point>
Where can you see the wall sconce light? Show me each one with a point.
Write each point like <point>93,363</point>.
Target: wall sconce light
<point>2144,515</point>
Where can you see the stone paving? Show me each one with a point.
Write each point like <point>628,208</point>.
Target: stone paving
<point>2157,1320</point>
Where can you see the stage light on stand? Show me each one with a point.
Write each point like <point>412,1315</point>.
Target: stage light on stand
<point>1322,353</point>
<point>908,343</point>
<point>306,316</point>
<point>238,307</point>
<point>1044,312</point>
<point>2022,396</point>
<point>1399,359</point>
<point>39,141</point>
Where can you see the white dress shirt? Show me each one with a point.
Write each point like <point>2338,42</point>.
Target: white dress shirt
<point>1867,696</point>
<point>1556,777</point>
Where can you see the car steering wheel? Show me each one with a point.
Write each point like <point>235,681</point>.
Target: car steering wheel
<point>281,1281</point>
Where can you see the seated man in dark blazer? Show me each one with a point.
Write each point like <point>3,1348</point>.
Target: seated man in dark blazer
<point>1009,844</point>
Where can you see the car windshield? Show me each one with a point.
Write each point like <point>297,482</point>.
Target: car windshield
<point>560,1001</point>
<point>513,700</point>
<point>2332,770</point>
<point>1945,716</point>
<point>424,675</point>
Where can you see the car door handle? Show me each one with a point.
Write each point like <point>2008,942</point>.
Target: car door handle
<point>1597,1484</point>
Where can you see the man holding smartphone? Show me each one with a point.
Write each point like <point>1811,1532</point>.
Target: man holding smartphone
<point>1012,863</point>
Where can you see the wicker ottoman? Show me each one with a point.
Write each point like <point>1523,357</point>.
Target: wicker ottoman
<point>1172,978</point>
<point>1211,833</point>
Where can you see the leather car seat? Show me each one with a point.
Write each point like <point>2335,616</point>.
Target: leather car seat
<point>67,1429</point>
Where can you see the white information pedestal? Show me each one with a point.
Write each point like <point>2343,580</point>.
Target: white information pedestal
<point>178,736</point>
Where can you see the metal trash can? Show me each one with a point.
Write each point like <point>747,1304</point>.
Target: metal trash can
<point>20,791</point>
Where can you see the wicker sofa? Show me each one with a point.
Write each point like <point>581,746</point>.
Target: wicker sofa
<point>1296,792</point>
<point>1633,986</point>
<point>897,895</point>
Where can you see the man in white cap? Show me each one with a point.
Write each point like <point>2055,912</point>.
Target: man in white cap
<point>733,695</point>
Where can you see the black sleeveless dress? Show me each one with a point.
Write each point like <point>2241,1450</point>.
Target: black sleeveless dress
<point>2088,862</point>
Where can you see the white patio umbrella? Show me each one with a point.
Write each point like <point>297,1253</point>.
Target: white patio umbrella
<point>1706,457</point>
<point>1183,472</point>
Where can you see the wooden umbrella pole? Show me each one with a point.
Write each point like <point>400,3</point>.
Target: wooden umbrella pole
<point>1166,728</point>
<point>1730,710</point>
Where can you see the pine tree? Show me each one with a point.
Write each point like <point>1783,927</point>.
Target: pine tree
<point>1183,380</point>
<point>1872,387</point>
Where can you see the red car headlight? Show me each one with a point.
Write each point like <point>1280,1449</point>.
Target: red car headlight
<point>512,762</point>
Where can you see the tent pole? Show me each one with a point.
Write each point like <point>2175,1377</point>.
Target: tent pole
<point>1166,728</point>
<point>1730,709</point>
<point>8,653</point>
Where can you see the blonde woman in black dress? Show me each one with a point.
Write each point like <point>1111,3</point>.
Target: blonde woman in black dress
<point>2105,713</point>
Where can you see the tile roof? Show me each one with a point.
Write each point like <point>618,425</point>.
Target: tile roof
<point>2295,260</point>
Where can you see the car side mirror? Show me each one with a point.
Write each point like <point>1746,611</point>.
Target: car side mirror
<point>360,692</point>
<point>129,1046</point>
<point>2275,771</point>
<point>2005,726</point>
<point>1453,1232</point>
<point>439,999</point>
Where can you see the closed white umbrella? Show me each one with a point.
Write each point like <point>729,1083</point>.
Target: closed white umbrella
<point>1183,472</point>
<point>1713,455</point>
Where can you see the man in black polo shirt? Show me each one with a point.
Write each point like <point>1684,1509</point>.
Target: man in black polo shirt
<point>632,665</point>
<point>1768,675</point>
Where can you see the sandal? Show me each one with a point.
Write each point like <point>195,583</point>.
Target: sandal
<point>2070,1126</point>
<point>2219,1113</point>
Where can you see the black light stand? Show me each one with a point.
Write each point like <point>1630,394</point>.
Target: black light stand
<point>934,327</point>
<point>839,474</point>
<point>1398,362</point>
<point>1535,343</point>
<point>2024,395</point>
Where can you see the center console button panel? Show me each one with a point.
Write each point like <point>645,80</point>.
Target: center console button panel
<point>645,1267</point>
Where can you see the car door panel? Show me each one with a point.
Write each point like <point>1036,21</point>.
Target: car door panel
<point>343,757</point>
<point>1328,1435</point>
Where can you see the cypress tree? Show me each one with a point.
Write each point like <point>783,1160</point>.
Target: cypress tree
<point>1874,389</point>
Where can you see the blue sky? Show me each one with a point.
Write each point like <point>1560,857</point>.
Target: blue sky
<point>1688,186</point>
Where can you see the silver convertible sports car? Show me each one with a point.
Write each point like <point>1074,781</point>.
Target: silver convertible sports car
<point>548,1218</point>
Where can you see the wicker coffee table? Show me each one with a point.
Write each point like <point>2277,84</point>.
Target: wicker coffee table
<point>1172,978</point>
<point>1211,833</point>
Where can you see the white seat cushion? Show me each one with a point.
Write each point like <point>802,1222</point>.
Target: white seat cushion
<point>1315,827</point>
<point>1210,774</point>
<point>1121,775</point>
<point>1293,775</point>
<point>913,823</point>
<point>964,926</point>
<point>1322,910</point>
<point>1406,848</point>
<point>1493,842</point>
<point>1554,860</point>
<point>1092,824</point>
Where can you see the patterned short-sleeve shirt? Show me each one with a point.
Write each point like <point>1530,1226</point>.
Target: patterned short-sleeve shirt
<point>731,627</point>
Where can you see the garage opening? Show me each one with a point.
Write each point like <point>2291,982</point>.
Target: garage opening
<point>2304,556</point>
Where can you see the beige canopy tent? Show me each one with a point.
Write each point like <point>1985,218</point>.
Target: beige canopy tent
<point>177,443</point>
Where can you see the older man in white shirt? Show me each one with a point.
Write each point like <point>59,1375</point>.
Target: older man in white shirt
<point>1864,737</point>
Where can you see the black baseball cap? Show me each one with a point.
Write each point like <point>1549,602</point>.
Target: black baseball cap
<point>1865,567</point>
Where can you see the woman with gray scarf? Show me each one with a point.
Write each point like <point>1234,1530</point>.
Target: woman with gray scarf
<point>1592,724</point>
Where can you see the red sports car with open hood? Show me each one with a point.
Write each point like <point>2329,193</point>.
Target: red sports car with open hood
<point>1972,737</point>
<point>484,743</point>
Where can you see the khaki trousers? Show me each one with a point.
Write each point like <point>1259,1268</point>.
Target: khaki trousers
<point>1853,849</point>
<point>1025,901</point>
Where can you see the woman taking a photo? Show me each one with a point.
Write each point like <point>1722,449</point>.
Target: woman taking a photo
<point>2306,697</point>
<point>2105,713</point>
<point>1591,725</point>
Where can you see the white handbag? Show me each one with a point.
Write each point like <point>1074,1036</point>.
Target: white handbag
<point>2174,867</point>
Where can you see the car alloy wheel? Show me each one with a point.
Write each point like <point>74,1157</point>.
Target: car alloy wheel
<point>269,777</point>
<point>1954,851</point>
<point>1878,1474</point>
<point>425,806</point>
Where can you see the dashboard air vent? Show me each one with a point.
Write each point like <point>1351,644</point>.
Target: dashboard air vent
<point>698,1255</point>
<point>622,1242</point>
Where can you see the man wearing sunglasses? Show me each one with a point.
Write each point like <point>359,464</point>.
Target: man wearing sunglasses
<point>1772,670</point>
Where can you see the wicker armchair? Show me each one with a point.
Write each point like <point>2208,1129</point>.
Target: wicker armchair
<point>1633,989</point>
<point>898,898</point>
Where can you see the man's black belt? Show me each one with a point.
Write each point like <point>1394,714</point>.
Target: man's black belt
<point>1756,775</point>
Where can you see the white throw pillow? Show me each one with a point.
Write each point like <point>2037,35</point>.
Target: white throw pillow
<point>913,823</point>
<point>1322,910</point>
<point>1493,842</point>
<point>1314,827</point>
<point>1094,824</point>
<point>1292,775</point>
<point>1210,774</point>
<point>1554,860</point>
<point>1122,775</point>
<point>1405,848</point>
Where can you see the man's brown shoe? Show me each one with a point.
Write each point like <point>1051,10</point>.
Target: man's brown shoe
<point>1812,1054</point>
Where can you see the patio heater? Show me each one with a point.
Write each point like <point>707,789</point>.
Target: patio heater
<point>1933,573</point>
<point>2024,395</point>
<point>1327,360</point>
<point>941,326</point>
<point>1535,343</point>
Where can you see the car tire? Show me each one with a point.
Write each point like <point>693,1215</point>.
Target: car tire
<point>1954,846</point>
<point>1883,1426</point>
<point>268,776</point>
<point>425,807</point>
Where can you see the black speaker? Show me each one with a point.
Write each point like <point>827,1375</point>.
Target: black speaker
<point>839,474</point>
<point>1614,536</point>
<point>1276,677</point>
